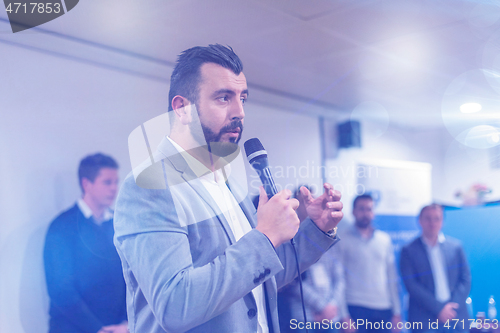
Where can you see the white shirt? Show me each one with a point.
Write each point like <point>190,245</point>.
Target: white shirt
<point>369,271</point>
<point>438,266</point>
<point>87,212</point>
<point>215,184</point>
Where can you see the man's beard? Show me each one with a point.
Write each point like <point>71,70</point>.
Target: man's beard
<point>215,146</point>
<point>222,149</point>
<point>211,137</point>
<point>363,223</point>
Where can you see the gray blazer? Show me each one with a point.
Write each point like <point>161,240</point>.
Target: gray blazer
<point>417,276</point>
<point>183,268</point>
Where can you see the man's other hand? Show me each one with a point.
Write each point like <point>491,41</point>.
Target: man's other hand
<point>121,328</point>
<point>448,312</point>
<point>329,312</point>
<point>396,319</point>
<point>276,218</point>
<point>325,210</point>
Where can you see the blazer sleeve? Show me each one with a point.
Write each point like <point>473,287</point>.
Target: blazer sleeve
<point>310,244</point>
<point>417,291</point>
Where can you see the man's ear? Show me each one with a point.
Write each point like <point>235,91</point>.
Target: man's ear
<point>182,108</point>
<point>85,184</point>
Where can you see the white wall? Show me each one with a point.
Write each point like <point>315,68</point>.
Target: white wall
<point>55,111</point>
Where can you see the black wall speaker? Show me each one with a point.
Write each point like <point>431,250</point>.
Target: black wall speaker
<point>349,134</point>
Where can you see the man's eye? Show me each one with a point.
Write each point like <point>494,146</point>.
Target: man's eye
<point>243,100</point>
<point>223,99</point>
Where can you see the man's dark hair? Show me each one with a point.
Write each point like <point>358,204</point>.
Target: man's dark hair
<point>91,165</point>
<point>186,76</point>
<point>361,197</point>
<point>431,206</point>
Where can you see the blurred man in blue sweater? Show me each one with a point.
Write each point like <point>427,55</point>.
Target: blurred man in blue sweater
<point>82,268</point>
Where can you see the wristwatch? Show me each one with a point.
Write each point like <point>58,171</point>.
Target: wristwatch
<point>332,233</point>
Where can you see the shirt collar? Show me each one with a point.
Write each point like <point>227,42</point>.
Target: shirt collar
<point>87,212</point>
<point>199,169</point>
<point>440,240</point>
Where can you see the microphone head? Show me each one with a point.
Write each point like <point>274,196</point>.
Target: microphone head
<point>255,152</point>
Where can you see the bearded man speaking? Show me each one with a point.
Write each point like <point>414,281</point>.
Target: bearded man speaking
<point>196,255</point>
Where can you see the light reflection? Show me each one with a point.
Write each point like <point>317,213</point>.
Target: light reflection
<point>470,108</point>
<point>480,137</point>
<point>468,94</point>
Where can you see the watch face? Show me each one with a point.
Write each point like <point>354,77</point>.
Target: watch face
<point>332,232</point>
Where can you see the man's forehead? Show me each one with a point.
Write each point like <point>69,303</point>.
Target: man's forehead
<point>363,202</point>
<point>217,75</point>
<point>433,211</point>
<point>430,211</point>
<point>105,172</point>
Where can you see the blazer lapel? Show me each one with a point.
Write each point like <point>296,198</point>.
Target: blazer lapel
<point>180,164</point>
<point>245,203</point>
<point>426,271</point>
<point>447,256</point>
<point>250,212</point>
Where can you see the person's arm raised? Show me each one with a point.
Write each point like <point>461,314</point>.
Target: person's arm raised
<point>326,210</point>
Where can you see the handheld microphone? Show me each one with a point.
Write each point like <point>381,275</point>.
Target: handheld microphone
<point>257,157</point>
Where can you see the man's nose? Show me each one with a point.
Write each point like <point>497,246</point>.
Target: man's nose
<point>237,110</point>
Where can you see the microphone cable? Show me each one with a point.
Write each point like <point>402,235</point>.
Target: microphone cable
<point>300,284</point>
<point>257,157</point>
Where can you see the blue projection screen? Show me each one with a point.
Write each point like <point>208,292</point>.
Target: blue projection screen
<point>479,230</point>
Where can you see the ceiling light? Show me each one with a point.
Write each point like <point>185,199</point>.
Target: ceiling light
<point>470,107</point>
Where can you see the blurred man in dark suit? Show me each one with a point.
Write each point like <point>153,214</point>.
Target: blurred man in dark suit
<point>436,274</point>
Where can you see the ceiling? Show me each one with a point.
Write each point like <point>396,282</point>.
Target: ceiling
<point>396,60</point>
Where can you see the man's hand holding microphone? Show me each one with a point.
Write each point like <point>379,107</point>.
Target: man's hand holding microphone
<point>278,220</point>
